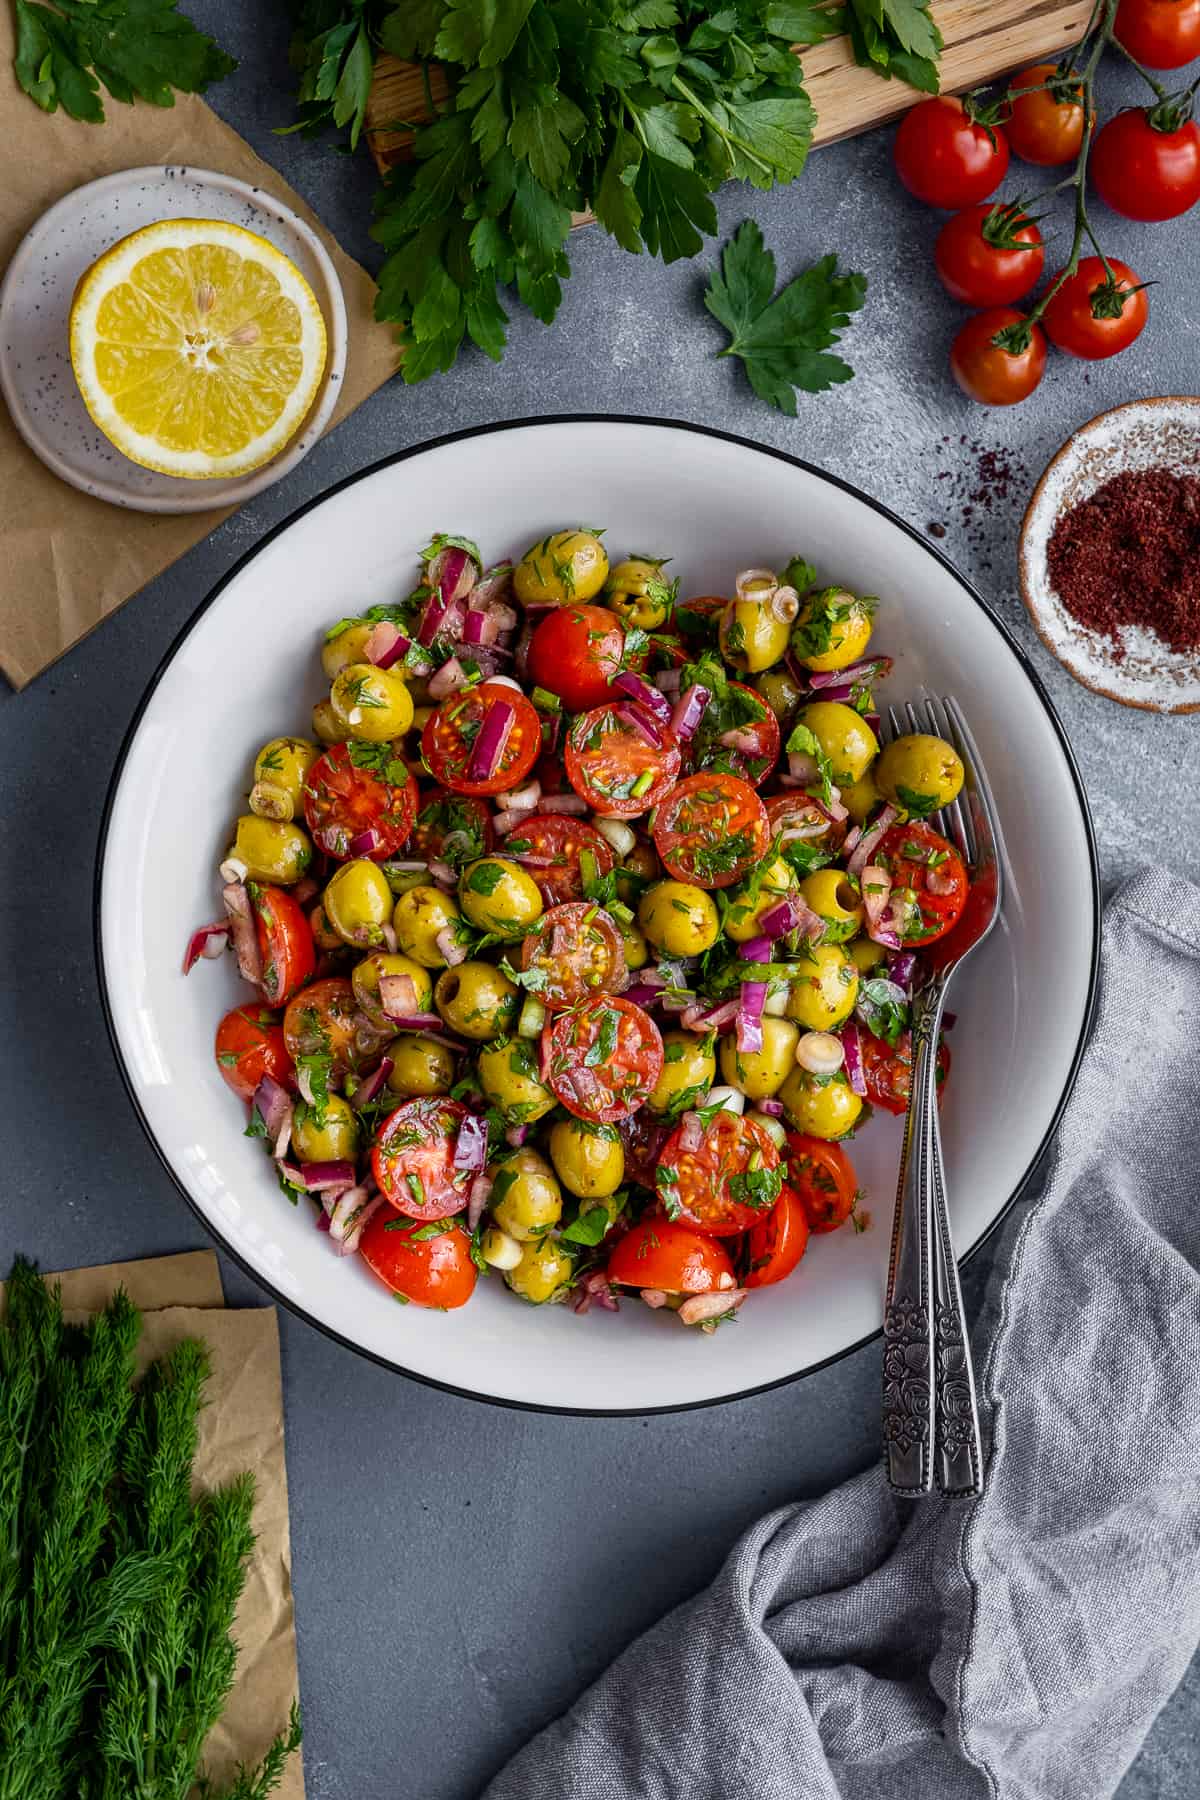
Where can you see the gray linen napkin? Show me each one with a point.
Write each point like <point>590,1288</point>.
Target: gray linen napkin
<point>858,1647</point>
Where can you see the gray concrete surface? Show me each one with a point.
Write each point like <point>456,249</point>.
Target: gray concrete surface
<point>461,1572</point>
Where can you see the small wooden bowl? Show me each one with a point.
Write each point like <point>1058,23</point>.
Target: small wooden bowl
<point>1144,434</point>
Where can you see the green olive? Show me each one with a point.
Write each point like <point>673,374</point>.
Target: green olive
<point>544,1271</point>
<point>824,995</point>
<point>861,797</point>
<point>498,896</point>
<point>526,1198</point>
<point>567,565</point>
<point>745,910</point>
<point>364,979</point>
<point>759,1074</point>
<point>588,1159</point>
<point>835,898</point>
<point>637,950</point>
<point>782,693</point>
<point>832,628</point>
<point>844,736</point>
<point>371,703</point>
<point>689,1069</point>
<point>271,850</point>
<point>327,727</point>
<point>508,1075</point>
<point>824,1106</point>
<point>639,593</point>
<point>334,1141</point>
<point>337,653</point>
<point>280,769</point>
<point>420,1065</point>
<point>752,638</point>
<point>866,954</point>
<point>919,772</point>
<point>421,913</point>
<point>477,1000</point>
<point>358,902</point>
<point>679,918</point>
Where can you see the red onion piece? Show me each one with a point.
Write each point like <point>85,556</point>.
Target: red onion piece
<point>642,994</point>
<point>522,799</point>
<point>415,1021</point>
<point>691,1131</point>
<point>853,1058</point>
<point>349,1216</point>
<point>562,803</point>
<point>245,937</point>
<point>470,1149</point>
<point>802,767</point>
<point>481,628</point>
<point>452,572</point>
<point>273,1104</point>
<point>493,585</point>
<point>709,1018</point>
<point>654,1297</point>
<point>833,809</point>
<point>583,1082</point>
<point>758,949</point>
<point>323,1219</point>
<point>865,848</point>
<point>365,843</point>
<point>645,693</point>
<point>443,875</point>
<point>488,749</point>
<point>669,682</point>
<point>876,885</point>
<point>688,712</point>
<point>711,1306</point>
<point>327,1177</point>
<point>451,949</point>
<point>209,940</point>
<point>398,996</point>
<point>940,880</point>
<point>385,644</point>
<point>873,669</point>
<point>478,1195</point>
<point>595,1290</point>
<point>647,728</point>
<point>451,678</point>
<point>902,967</point>
<point>372,1085</point>
<point>436,608</point>
<point>749,1017</point>
<point>770,1109</point>
<point>516,1135</point>
<point>743,739</point>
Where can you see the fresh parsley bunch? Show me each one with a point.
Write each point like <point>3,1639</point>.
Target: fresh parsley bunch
<point>138,50</point>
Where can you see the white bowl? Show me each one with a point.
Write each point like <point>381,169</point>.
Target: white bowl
<point>247,667</point>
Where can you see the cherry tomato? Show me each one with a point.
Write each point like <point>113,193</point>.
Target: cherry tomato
<point>944,158</point>
<point>323,1020</point>
<point>643,1137</point>
<point>924,864</point>
<point>575,651</point>
<point>1071,321</point>
<point>711,830</point>
<point>823,1178</point>
<point>285,942</point>
<point>573,952</point>
<point>888,1069</point>
<point>551,847</point>
<point>250,1045</point>
<point>430,1271</point>
<point>989,373</point>
<point>775,1245</point>
<point>466,724</point>
<point>615,767</point>
<point>1163,34</point>
<point>988,255</point>
<point>451,826</point>
<point>1046,126</point>
<point>344,801</point>
<point>721,1177</point>
<point>671,1258</point>
<point>413,1158</point>
<point>795,815</point>
<point>1143,173</point>
<point>602,1058</point>
<point>753,758</point>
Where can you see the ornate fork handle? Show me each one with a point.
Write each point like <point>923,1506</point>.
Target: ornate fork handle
<point>958,1466</point>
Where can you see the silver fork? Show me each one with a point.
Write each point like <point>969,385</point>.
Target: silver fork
<point>935,1437</point>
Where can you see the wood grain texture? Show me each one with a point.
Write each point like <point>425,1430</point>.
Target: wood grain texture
<point>984,38</point>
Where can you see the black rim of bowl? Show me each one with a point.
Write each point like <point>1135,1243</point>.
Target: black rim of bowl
<point>555,419</point>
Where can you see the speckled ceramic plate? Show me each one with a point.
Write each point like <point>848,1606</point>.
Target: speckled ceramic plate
<point>1145,434</point>
<point>36,378</point>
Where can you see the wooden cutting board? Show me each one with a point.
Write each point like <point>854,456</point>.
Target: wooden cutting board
<point>984,38</point>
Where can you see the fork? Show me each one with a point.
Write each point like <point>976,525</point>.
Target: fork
<point>934,1436</point>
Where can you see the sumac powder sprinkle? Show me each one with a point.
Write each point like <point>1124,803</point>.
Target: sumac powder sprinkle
<point>1130,555</point>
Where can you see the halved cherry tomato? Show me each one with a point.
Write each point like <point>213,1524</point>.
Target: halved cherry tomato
<point>1143,173</point>
<point>671,1258</point>
<point>617,769</point>
<point>988,255</point>
<point>823,1178</point>
<point>434,1270</point>
<point>921,862</point>
<point>454,730</point>
<point>285,942</point>
<point>796,815</point>
<point>549,846</point>
<point>1045,125</point>
<point>452,827</point>
<point>711,829</point>
<point>345,800</point>
<point>1071,319</point>
<point>643,1137</point>
<point>575,651</point>
<point>944,158</point>
<point>1163,34</point>
<point>602,1058</point>
<point>725,1182</point>
<point>775,1245</point>
<point>573,952</point>
<point>753,760</point>
<point>413,1158</point>
<point>250,1045</point>
<point>888,1069</point>
<point>989,373</point>
<point>323,1020</point>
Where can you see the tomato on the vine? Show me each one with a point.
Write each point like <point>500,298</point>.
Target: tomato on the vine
<point>1045,124</point>
<point>945,158</point>
<point>989,255</point>
<point>1163,34</point>
<point>989,372</point>
<point>1093,314</point>
<point>1143,171</point>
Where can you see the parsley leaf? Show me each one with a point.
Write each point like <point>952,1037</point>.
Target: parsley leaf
<point>896,38</point>
<point>783,342</point>
<point>138,50</point>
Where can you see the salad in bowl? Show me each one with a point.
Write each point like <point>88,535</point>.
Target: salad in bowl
<point>580,928</point>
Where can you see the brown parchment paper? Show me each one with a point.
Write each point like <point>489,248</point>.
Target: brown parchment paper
<point>240,1428</point>
<point>68,559</point>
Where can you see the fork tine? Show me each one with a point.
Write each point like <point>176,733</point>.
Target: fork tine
<point>984,816</point>
<point>892,720</point>
<point>958,824</point>
<point>940,820</point>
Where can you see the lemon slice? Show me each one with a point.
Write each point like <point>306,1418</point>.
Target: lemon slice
<point>198,347</point>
